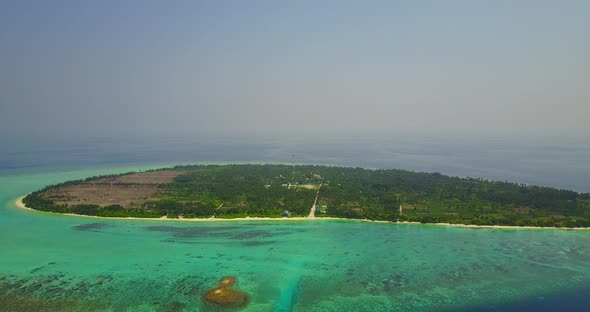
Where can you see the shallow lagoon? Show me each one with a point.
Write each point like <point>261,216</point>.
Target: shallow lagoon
<point>51,262</point>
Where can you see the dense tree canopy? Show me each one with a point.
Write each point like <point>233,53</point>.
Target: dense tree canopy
<point>228,191</point>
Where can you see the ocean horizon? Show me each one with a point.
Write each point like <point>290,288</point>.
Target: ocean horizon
<point>556,161</point>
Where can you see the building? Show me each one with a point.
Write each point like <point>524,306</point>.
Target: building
<point>321,208</point>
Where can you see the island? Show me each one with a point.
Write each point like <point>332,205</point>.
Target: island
<point>312,191</point>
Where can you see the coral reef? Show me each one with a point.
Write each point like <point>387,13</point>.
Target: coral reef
<point>224,294</point>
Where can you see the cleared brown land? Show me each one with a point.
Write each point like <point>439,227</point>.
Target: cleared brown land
<point>146,178</point>
<point>127,190</point>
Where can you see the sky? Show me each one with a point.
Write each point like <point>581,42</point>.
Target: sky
<point>105,68</point>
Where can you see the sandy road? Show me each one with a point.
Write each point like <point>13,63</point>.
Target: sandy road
<point>312,210</point>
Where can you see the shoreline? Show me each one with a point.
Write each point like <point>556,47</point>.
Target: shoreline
<point>19,203</point>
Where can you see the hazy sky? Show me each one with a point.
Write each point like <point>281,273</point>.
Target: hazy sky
<point>170,67</point>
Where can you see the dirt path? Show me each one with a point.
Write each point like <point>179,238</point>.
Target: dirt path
<point>312,210</point>
<point>215,211</point>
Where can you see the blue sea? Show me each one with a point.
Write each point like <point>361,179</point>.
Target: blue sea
<point>551,161</point>
<point>63,263</point>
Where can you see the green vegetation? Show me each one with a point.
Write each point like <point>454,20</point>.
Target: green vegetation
<point>237,191</point>
<point>229,191</point>
<point>433,197</point>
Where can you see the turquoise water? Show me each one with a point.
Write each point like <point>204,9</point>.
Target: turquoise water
<point>61,263</point>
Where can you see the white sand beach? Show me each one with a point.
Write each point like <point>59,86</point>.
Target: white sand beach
<point>19,203</point>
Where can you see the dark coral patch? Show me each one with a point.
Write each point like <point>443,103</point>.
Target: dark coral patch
<point>89,227</point>
<point>190,232</point>
<point>257,243</point>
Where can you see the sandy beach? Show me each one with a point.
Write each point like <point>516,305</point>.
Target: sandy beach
<point>19,203</point>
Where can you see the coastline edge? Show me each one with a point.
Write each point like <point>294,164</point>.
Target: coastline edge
<point>19,203</point>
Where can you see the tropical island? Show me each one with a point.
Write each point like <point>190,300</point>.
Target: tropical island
<point>283,191</point>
